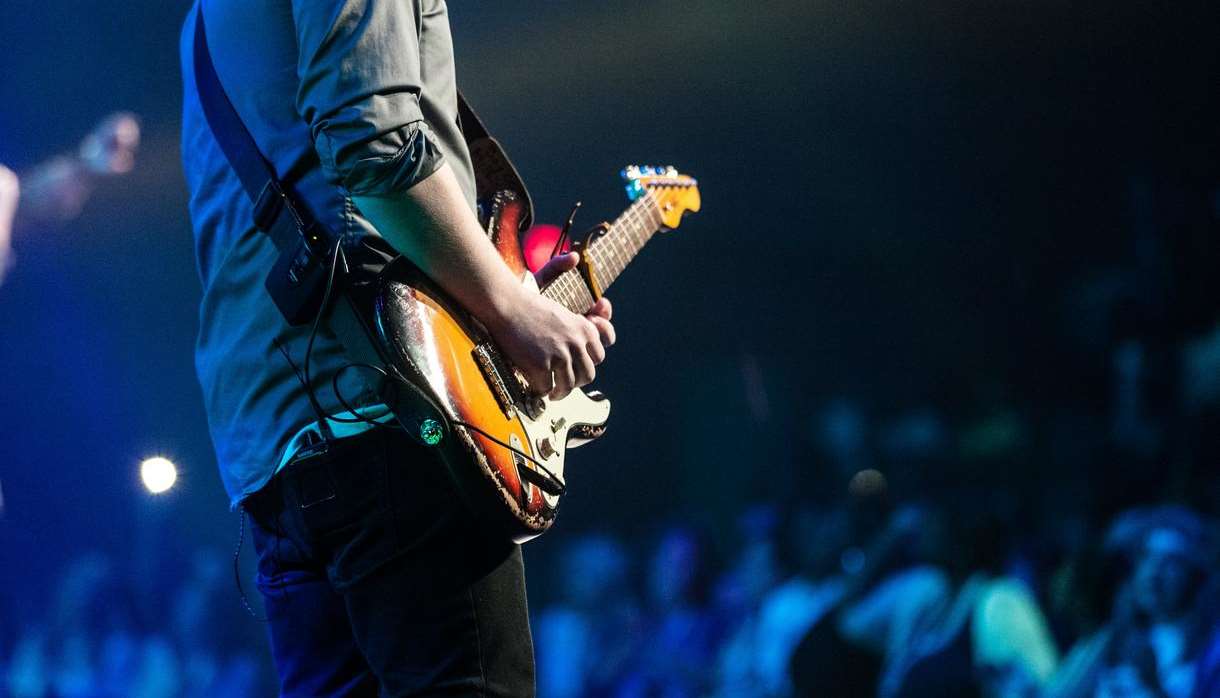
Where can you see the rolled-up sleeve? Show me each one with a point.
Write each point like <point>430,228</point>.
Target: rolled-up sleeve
<point>359,71</point>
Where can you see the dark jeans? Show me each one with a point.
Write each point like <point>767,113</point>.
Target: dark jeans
<point>375,578</point>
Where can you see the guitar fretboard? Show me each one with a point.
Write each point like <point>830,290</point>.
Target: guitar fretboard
<point>609,254</point>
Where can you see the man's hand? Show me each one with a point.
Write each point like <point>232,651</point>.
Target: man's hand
<point>10,192</point>
<point>432,225</point>
<point>556,349</point>
<point>601,311</point>
<point>110,148</point>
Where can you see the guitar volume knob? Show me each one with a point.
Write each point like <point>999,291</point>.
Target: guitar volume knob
<point>545,449</point>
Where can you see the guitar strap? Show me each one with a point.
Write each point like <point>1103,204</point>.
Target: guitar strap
<point>298,280</point>
<point>493,171</point>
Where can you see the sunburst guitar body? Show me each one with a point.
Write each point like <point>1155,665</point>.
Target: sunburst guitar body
<point>505,445</point>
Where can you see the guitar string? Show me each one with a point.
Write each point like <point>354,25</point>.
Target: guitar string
<point>614,252</point>
<point>631,222</point>
<point>568,288</point>
<point>617,254</point>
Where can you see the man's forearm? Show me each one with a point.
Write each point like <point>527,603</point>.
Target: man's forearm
<point>10,192</point>
<point>432,225</point>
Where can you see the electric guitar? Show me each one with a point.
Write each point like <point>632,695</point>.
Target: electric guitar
<point>506,445</point>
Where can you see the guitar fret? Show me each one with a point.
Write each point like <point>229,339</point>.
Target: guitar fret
<point>569,290</point>
<point>582,300</point>
<point>613,260</point>
<point>625,238</point>
<point>609,254</point>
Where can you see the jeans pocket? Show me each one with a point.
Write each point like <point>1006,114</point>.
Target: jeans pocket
<point>416,510</point>
<point>282,582</point>
<point>336,491</point>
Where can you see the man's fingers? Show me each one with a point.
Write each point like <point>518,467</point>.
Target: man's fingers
<point>556,266</point>
<point>604,329</point>
<point>601,308</point>
<point>584,366</point>
<point>597,352</point>
<point>540,382</point>
<point>593,344</point>
<point>565,380</point>
<point>10,188</point>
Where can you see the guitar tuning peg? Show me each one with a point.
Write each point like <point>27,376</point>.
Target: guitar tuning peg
<point>634,189</point>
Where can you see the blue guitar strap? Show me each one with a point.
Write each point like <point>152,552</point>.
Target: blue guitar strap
<point>298,280</point>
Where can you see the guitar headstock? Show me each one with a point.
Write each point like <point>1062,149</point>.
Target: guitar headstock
<point>674,194</point>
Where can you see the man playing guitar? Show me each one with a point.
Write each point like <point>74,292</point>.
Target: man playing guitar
<point>10,191</point>
<point>374,577</point>
<point>55,191</point>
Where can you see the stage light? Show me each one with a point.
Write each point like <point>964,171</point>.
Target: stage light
<point>539,242</point>
<point>867,483</point>
<point>158,474</point>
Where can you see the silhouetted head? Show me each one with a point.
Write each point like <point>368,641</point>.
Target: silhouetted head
<point>677,571</point>
<point>594,567</point>
<point>1168,554</point>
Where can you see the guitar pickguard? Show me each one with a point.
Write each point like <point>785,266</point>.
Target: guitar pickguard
<point>550,432</point>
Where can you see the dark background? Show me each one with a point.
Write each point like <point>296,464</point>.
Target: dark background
<point>955,209</point>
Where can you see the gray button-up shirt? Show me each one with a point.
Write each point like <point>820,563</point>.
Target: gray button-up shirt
<point>337,94</point>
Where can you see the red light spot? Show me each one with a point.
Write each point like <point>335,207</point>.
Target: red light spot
<point>538,243</point>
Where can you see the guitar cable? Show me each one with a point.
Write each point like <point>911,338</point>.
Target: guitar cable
<point>313,333</point>
<point>557,485</point>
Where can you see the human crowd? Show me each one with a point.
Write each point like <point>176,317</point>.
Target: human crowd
<point>923,602</point>
<point>99,632</point>
<point>862,599</point>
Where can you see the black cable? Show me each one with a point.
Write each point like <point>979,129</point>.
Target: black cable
<point>564,232</point>
<point>313,333</point>
<point>556,482</point>
<point>297,372</point>
<point>334,388</point>
<point>323,425</point>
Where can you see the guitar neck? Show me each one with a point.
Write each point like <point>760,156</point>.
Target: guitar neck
<point>609,254</point>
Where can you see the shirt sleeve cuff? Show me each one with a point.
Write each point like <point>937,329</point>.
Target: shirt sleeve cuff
<point>415,158</point>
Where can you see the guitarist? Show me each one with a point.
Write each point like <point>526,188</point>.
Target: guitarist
<point>10,191</point>
<point>372,575</point>
<point>55,190</point>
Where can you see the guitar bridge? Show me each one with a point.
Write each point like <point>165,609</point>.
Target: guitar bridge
<point>487,359</point>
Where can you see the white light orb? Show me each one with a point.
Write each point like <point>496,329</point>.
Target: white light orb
<point>159,474</point>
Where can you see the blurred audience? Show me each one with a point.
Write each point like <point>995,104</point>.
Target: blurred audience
<point>941,601</point>
<point>936,599</point>
<point>584,641</point>
<point>1164,613</point>
<point>679,632</point>
<point>99,640</point>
